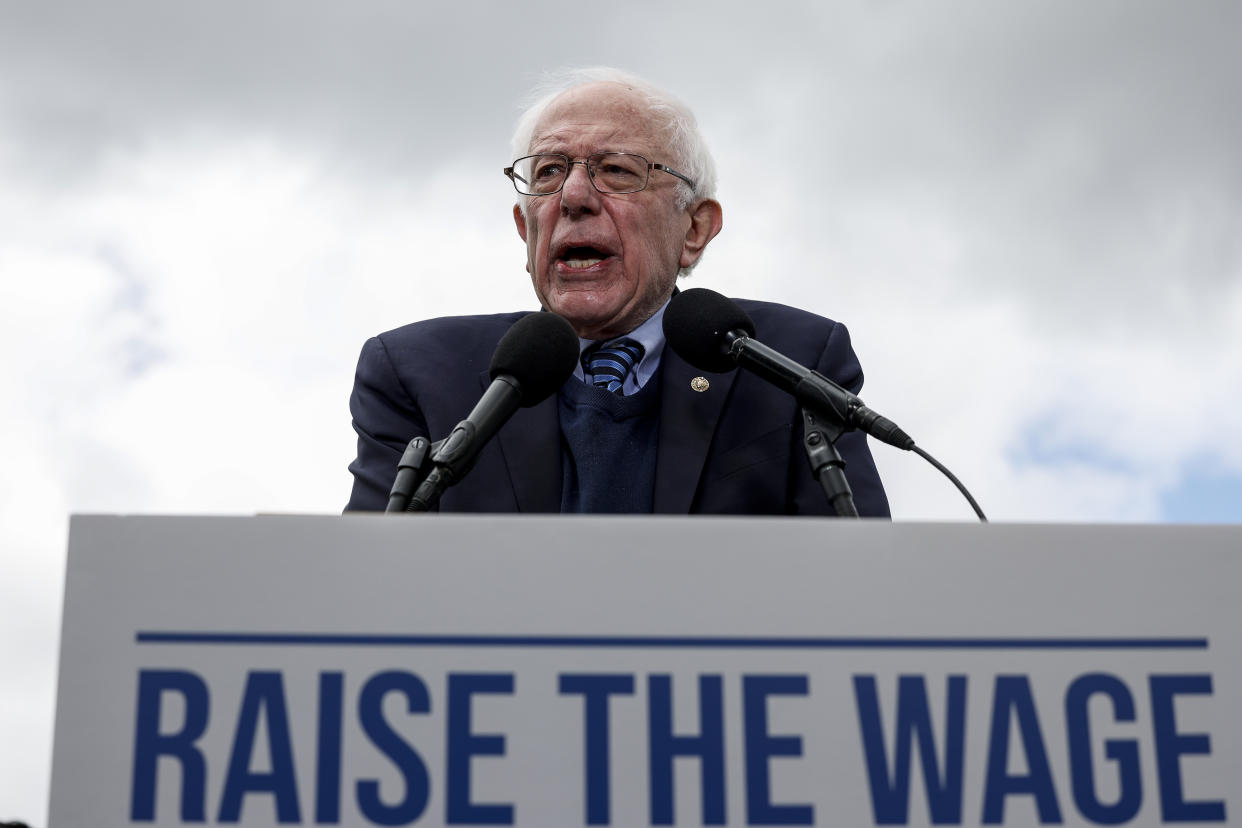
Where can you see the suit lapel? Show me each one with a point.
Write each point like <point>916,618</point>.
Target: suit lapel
<point>688,420</point>
<point>534,470</point>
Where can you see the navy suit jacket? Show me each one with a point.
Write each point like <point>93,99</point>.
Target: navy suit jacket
<point>734,448</point>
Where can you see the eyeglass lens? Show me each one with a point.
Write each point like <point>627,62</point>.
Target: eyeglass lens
<point>611,172</point>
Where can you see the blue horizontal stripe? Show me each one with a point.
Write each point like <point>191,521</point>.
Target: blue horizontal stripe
<point>666,642</point>
<point>598,365</point>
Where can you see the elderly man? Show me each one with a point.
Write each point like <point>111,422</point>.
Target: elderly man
<point>615,188</point>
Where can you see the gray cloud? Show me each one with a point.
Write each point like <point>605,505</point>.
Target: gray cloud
<point>375,82</point>
<point>1029,213</point>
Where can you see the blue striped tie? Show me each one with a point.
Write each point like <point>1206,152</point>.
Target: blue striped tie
<point>609,363</point>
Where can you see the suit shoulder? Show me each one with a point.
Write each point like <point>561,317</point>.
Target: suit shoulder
<point>808,338</point>
<point>774,319</point>
<point>479,325</point>
<point>447,334</point>
<point>456,342</point>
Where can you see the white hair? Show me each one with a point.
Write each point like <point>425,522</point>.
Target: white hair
<point>671,119</point>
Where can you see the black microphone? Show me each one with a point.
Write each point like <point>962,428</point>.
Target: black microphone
<point>532,360</point>
<point>713,333</point>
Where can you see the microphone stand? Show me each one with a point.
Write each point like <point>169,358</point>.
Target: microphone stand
<point>828,467</point>
<point>424,471</point>
<point>410,474</point>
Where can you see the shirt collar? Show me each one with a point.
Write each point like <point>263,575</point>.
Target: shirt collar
<point>651,335</point>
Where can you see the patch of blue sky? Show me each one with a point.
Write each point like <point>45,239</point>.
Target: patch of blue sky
<point>130,308</point>
<point>1204,495</point>
<point>140,355</point>
<point>1206,491</point>
<point>1045,444</point>
<point>131,291</point>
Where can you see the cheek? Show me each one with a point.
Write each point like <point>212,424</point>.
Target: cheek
<point>668,235</point>
<point>663,257</point>
<point>536,239</point>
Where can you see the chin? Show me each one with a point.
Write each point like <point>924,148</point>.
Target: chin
<point>584,324</point>
<point>582,305</point>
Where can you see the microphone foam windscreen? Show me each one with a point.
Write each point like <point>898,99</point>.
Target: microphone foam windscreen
<point>695,324</point>
<point>540,352</point>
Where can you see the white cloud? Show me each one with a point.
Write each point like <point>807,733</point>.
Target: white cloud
<point>181,338</point>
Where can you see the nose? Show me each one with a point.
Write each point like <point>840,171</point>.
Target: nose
<point>579,194</point>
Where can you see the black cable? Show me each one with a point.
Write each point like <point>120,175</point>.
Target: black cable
<point>956,482</point>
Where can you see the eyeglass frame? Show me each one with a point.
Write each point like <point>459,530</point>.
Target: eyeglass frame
<point>511,174</point>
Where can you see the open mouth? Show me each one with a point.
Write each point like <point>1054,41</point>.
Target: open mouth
<point>580,257</point>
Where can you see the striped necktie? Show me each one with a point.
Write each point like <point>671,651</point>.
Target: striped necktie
<point>610,362</point>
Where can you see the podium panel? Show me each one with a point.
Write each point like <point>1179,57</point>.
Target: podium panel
<point>564,671</point>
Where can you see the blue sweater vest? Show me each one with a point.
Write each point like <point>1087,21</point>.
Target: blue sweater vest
<point>608,447</point>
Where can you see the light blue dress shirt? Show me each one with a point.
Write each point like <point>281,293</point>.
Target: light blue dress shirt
<point>651,335</point>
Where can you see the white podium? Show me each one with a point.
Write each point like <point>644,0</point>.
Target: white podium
<point>560,671</point>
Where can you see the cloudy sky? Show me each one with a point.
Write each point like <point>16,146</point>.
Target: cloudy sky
<point>1029,215</point>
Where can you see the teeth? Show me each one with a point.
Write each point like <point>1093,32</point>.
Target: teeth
<point>578,263</point>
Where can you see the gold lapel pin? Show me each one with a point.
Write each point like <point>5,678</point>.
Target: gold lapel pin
<point>700,384</point>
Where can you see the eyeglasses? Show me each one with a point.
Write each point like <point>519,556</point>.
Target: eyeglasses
<point>610,172</point>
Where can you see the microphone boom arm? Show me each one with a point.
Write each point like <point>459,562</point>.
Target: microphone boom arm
<point>813,389</point>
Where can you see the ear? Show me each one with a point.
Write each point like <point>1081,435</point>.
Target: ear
<point>706,219</point>
<point>519,218</point>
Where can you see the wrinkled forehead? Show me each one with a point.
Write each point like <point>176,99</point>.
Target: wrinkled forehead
<point>594,117</point>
